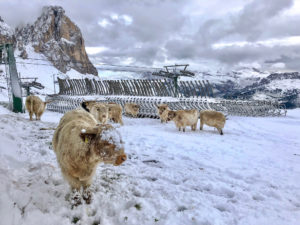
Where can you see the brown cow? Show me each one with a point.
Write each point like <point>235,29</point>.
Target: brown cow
<point>115,112</point>
<point>35,105</point>
<point>132,109</point>
<point>80,144</point>
<point>97,109</point>
<point>183,118</point>
<point>213,119</point>
<point>163,111</point>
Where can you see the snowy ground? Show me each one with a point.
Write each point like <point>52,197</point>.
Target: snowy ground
<point>248,176</point>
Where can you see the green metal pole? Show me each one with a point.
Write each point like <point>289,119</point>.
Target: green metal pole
<point>176,86</point>
<point>15,84</point>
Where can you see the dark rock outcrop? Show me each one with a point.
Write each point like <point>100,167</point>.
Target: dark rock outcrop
<point>59,39</point>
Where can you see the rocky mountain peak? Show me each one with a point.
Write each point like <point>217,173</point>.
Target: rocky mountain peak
<point>6,33</point>
<point>54,35</point>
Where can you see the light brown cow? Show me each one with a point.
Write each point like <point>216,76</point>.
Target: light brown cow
<point>213,119</point>
<point>132,109</point>
<point>163,111</point>
<point>97,109</point>
<point>115,112</point>
<point>183,118</point>
<point>35,105</point>
<point>80,145</point>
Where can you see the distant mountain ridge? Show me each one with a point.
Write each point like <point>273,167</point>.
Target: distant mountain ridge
<point>283,87</point>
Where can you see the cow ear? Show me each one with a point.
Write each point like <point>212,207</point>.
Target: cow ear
<point>84,106</point>
<point>88,134</point>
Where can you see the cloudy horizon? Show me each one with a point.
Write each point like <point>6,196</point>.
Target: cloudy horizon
<point>258,33</point>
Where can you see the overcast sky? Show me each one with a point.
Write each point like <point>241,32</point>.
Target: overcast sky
<point>214,33</point>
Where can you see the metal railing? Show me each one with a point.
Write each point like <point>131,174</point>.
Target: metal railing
<point>149,93</point>
<point>135,87</point>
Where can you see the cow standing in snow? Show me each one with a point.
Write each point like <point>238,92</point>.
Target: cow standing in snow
<point>80,144</point>
<point>35,105</point>
<point>132,109</point>
<point>184,118</point>
<point>213,119</point>
<point>163,111</point>
<point>97,109</point>
<point>115,112</point>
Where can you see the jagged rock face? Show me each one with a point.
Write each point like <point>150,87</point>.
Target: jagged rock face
<point>59,39</point>
<point>6,33</point>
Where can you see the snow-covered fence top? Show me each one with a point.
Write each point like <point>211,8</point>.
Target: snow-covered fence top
<point>149,93</point>
<point>135,87</point>
<point>64,103</point>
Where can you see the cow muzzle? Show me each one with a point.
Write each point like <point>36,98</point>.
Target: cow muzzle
<point>120,159</point>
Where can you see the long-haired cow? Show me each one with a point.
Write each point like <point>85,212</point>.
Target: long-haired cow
<point>97,109</point>
<point>35,105</point>
<point>184,118</point>
<point>115,112</point>
<point>163,111</point>
<point>80,145</point>
<point>213,119</point>
<point>132,109</point>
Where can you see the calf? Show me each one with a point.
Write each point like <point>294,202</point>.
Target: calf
<point>213,119</point>
<point>80,145</point>
<point>163,111</point>
<point>35,105</point>
<point>132,109</point>
<point>183,118</point>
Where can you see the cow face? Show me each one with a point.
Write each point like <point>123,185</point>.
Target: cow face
<point>100,112</point>
<point>161,109</point>
<point>106,144</point>
<point>171,115</point>
<point>136,108</point>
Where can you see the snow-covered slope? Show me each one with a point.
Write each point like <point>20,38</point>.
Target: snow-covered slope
<point>38,67</point>
<point>248,176</point>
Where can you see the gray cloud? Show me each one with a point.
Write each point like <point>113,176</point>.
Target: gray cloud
<point>160,31</point>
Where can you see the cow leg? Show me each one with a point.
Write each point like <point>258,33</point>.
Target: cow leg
<point>201,125</point>
<point>30,115</point>
<point>220,131</point>
<point>87,194</point>
<point>39,116</point>
<point>179,128</point>
<point>183,129</point>
<point>75,189</point>
<point>193,127</point>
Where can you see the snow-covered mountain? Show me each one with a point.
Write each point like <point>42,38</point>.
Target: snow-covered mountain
<point>52,46</point>
<point>6,33</point>
<point>281,86</point>
<point>55,36</point>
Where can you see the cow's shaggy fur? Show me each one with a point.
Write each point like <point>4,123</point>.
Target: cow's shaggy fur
<point>80,144</point>
<point>132,109</point>
<point>163,111</point>
<point>213,119</point>
<point>35,105</point>
<point>184,118</point>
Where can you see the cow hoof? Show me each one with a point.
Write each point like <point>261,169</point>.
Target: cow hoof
<point>75,199</point>
<point>87,196</point>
